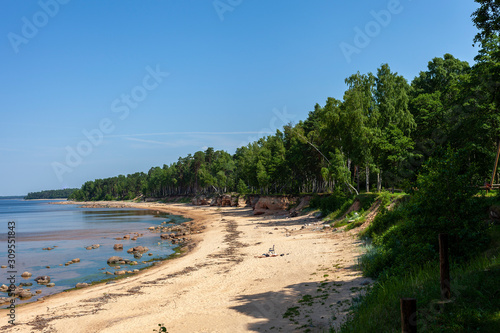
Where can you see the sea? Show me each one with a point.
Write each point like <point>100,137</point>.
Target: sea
<point>69,230</point>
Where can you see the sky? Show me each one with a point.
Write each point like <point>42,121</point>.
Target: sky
<point>93,89</point>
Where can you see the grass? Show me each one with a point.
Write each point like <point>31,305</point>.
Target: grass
<point>474,306</point>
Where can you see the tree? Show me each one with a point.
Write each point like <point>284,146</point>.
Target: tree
<point>487,19</point>
<point>391,97</point>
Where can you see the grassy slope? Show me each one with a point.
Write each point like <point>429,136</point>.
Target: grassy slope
<point>475,303</point>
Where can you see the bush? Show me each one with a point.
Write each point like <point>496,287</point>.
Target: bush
<point>331,203</point>
<point>445,202</point>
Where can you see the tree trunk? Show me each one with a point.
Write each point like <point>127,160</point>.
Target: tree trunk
<point>367,178</point>
<point>379,181</point>
<point>349,167</point>
<point>357,173</point>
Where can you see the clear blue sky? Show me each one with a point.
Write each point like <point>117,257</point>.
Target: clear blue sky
<point>222,77</point>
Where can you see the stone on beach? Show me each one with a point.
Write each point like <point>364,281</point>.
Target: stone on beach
<point>52,284</point>
<point>82,285</point>
<point>118,246</point>
<point>26,275</point>
<point>76,260</point>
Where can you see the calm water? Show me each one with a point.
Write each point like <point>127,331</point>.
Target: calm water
<point>71,228</point>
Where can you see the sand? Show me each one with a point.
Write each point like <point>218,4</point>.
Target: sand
<point>221,284</point>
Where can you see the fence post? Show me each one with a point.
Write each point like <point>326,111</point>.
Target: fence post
<point>444,266</point>
<point>408,315</point>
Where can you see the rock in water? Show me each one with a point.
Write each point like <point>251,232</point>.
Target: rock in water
<point>82,285</point>
<point>44,279</point>
<point>26,275</point>
<point>114,260</point>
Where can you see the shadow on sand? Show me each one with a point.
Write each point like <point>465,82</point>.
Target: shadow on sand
<point>302,307</point>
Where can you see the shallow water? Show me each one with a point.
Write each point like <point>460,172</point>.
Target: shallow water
<point>69,229</point>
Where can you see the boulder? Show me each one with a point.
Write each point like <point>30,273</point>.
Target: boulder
<point>95,246</point>
<point>4,300</point>
<point>138,249</point>
<point>50,285</point>
<point>114,260</point>
<point>25,294</point>
<point>118,246</point>
<point>126,237</point>
<point>26,275</point>
<point>44,279</point>
<point>119,272</point>
<point>82,285</point>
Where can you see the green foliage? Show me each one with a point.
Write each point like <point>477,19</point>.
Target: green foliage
<point>51,194</point>
<point>331,203</point>
<point>444,203</point>
<point>473,308</point>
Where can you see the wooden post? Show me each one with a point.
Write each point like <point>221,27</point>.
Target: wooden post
<point>444,266</point>
<point>496,164</point>
<point>408,315</point>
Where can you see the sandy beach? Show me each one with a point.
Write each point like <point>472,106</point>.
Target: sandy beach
<point>222,284</point>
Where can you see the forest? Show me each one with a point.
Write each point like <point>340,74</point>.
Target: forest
<point>379,135</point>
<point>51,194</point>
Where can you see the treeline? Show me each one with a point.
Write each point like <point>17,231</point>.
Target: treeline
<point>379,135</point>
<point>51,194</point>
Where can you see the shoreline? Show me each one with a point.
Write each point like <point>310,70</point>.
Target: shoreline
<point>222,283</point>
<point>67,235</point>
